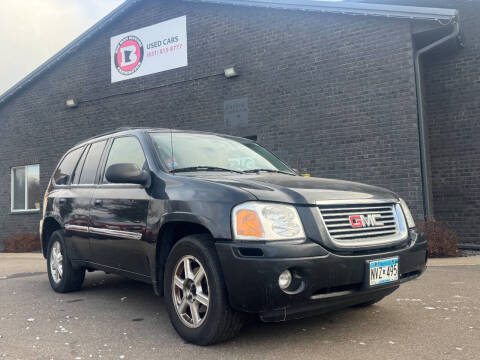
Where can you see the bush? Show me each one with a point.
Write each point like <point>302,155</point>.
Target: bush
<point>442,242</point>
<point>22,242</point>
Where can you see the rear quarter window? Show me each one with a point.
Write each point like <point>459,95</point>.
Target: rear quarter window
<point>64,172</point>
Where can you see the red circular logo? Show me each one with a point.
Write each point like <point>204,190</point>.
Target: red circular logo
<point>128,55</point>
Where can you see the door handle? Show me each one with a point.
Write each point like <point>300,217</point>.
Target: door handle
<point>98,202</point>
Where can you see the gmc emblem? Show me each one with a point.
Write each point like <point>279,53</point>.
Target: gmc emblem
<point>363,221</point>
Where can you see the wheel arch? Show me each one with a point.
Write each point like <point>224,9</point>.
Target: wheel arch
<point>50,225</point>
<point>169,234</point>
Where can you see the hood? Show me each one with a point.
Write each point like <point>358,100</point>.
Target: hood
<point>298,189</point>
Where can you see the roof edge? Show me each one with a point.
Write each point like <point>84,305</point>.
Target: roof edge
<point>347,8</point>
<point>72,46</point>
<point>441,15</point>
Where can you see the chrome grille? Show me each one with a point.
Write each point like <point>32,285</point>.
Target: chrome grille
<point>378,223</point>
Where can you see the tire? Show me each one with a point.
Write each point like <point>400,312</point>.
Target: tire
<point>66,278</point>
<point>214,323</point>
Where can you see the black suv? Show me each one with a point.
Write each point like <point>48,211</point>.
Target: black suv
<point>222,227</point>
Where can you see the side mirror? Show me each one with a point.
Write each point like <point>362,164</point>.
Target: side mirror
<point>127,174</point>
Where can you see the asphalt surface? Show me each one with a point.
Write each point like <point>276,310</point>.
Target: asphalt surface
<point>434,317</point>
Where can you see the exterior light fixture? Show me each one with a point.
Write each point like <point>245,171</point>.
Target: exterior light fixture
<point>230,72</point>
<point>71,103</point>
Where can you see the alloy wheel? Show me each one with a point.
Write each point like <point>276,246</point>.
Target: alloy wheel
<point>56,262</point>
<point>190,291</point>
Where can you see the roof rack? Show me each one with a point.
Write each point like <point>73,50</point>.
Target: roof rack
<point>120,129</point>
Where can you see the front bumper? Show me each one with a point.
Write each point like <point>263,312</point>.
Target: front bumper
<point>328,280</point>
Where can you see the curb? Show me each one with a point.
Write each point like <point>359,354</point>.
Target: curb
<point>458,261</point>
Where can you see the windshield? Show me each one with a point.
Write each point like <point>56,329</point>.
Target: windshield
<point>214,152</point>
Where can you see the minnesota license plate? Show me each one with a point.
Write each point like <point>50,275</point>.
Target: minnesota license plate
<point>383,271</point>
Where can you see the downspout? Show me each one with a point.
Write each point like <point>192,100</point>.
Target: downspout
<point>427,198</point>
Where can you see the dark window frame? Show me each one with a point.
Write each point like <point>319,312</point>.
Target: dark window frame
<point>74,168</point>
<point>100,163</point>
<point>106,154</point>
<point>79,167</point>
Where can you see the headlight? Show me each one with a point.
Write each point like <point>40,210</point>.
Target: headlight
<point>407,213</point>
<point>266,221</point>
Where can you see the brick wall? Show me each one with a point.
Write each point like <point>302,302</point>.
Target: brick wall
<point>452,95</point>
<point>453,104</point>
<point>333,94</point>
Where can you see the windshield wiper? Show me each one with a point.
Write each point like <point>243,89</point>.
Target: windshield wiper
<point>203,168</point>
<point>269,170</point>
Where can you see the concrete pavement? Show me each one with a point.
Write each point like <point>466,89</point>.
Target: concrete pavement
<point>17,263</point>
<point>434,317</point>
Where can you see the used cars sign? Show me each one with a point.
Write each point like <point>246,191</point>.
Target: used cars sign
<point>149,50</point>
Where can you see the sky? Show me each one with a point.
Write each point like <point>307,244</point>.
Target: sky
<point>35,30</point>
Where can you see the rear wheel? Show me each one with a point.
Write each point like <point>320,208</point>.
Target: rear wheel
<point>195,293</point>
<point>61,274</point>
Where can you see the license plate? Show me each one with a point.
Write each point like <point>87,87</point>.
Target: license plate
<point>383,271</point>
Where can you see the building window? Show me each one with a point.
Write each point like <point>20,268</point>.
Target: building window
<point>26,188</point>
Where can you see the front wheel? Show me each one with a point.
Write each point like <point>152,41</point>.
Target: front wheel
<point>61,274</point>
<point>195,293</point>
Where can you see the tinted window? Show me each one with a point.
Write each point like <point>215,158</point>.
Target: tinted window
<point>64,172</point>
<point>126,150</point>
<point>91,163</point>
<point>78,169</point>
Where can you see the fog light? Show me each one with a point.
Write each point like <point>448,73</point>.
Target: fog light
<point>285,279</point>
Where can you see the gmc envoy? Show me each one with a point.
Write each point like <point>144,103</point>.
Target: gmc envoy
<point>222,227</point>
